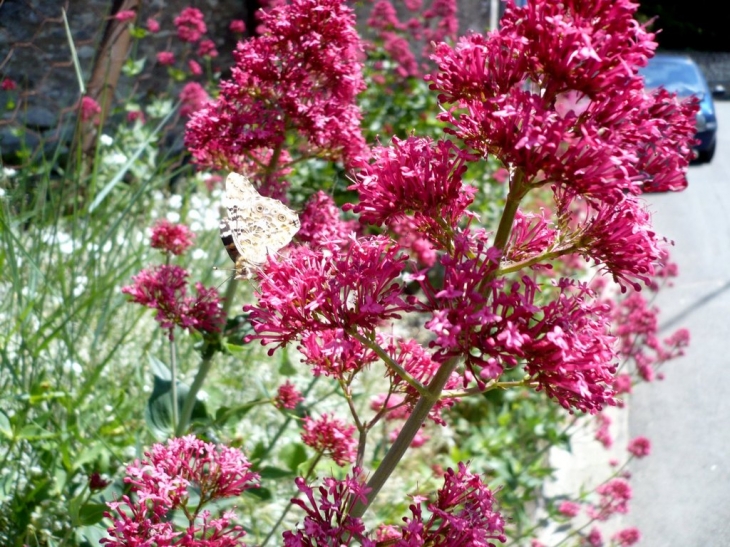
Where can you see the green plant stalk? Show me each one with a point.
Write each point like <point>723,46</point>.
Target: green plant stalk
<point>390,363</point>
<point>173,386</point>
<point>203,370</point>
<point>518,190</point>
<point>406,436</point>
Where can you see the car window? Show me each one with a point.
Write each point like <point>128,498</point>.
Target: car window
<point>676,77</point>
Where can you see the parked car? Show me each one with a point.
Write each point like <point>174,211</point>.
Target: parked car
<point>679,74</point>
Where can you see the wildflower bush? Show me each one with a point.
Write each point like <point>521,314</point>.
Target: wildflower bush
<point>467,287</point>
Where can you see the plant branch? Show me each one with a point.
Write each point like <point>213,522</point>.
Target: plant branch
<point>407,434</point>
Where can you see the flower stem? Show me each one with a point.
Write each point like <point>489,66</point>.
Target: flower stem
<point>407,434</point>
<point>173,385</point>
<point>518,190</point>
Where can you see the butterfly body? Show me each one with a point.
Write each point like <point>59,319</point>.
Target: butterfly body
<point>256,226</point>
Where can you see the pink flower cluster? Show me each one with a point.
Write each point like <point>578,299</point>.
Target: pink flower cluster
<point>90,109</point>
<point>418,179</point>
<point>637,329</point>
<point>589,126</point>
<point>615,496</point>
<point>171,238</point>
<point>425,26</point>
<point>327,520</point>
<point>314,292</point>
<point>193,98</point>
<point>332,437</point>
<point>321,225</point>
<point>161,484</point>
<point>462,514</point>
<point>565,345</point>
<point>164,288</point>
<point>299,78</point>
<point>287,396</point>
<point>190,25</point>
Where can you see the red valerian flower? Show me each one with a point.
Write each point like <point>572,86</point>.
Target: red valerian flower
<point>594,538</point>
<point>328,521</point>
<point>313,291</point>
<point>409,237</point>
<point>195,68</point>
<point>332,437</point>
<point>190,25</point>
<point>619,237</point>
<point>160,484</point>
<point>90,109</point>
<point>171,238</point>
<point>322,225</point>
<point>415,177</point>
<point>565,345</point>
<point>193,98</point>
<point>570,351</point>
<point>334,353</point>
<point>569,509</point>
<point>640,447</point>
<point>420,365</point>
<point>627,537</point>
<point>531,235</point>
<point>166,58</point>
<point>164,289</point>
<point>125,15</point>
<point>287,396</point>
<point>463,514</point>
<point>7,84</point>
<point>153,26</point>
<point>615,496</point>
<point>237,26</point>
<point>586,123</point>
<point>301,77</point>
<point>206,48</point>
<point>603,430</point>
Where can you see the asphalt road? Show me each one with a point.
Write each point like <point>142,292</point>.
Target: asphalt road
<point>682,491</point>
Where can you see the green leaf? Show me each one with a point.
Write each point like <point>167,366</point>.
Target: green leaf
<point>225,414</point>
<point>6,430</point>
<point>293,455</point>
<point>285,367</point>
<point>158,413</point>
<point>263,494</point>
<point>91,513</point>
<point>270,472</point>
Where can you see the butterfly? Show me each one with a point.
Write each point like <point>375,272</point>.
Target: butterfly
<point>256,226</point>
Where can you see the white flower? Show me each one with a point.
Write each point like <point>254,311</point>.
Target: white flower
<point>173,216</point>
<point>115,158</point>
<point>81,282</point>
<point>199,254</point>
<point>106,140</point>
<point>72,367</point>
<point>175,201</point>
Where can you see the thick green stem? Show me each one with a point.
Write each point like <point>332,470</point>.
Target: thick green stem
<point>192,396</point>
<point>173,385</point>
<point>518,190</point>
<point>406,436</point>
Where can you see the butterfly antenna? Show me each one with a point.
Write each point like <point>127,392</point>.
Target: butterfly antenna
<point>227,279</point>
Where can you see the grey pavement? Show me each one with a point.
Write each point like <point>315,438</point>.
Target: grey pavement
<point>682,491</point>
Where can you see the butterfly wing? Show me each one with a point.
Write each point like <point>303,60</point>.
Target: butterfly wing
<point>258,226</point>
